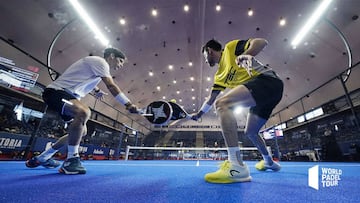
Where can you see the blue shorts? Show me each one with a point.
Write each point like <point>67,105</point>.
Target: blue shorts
<point>267,92</point>
<point>54,99</point>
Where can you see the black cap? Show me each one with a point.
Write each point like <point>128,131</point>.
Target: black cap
<point>114,51</point>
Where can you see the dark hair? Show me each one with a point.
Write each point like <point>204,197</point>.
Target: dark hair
<point>114,51</point>
<point>214,44</point>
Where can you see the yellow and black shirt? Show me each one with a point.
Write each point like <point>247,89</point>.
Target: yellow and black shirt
<point>229,74</point>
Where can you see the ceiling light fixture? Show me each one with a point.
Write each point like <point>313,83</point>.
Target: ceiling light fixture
<point>77,6</point>
<point>282,21</point>
<point>122,21</point>
<point>311,22</point>
<point>217,7</point>
<point>186,7</point>
<point>154,12</point>
<point>250,12</point>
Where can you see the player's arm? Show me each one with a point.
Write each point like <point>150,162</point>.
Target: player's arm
<point>255,46</point>
<point>246,51</point>
<point>207,104</point>
<point>119,95</point>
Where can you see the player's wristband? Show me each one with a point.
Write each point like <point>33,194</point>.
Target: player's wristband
<point>121,98</point>
<point>205,107</point>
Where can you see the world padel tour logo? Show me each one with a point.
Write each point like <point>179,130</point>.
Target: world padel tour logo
<point>325,177</point>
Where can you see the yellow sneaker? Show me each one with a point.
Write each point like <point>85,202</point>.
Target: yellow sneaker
<point>261,166</point>
<point>229,173</point>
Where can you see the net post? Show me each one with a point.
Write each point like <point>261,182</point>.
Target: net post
<point>127,152</point>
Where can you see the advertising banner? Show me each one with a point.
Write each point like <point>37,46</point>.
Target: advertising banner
<point>13,142</point>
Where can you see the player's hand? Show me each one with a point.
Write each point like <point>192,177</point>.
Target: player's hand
<point>100,94</point>
<point>196,116</point>
<point>131,108</point>
<point>245,61</point>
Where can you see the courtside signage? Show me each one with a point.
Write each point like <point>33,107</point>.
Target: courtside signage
<point>323,177</point>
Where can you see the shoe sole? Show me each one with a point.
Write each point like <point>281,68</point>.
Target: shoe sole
<point>240,180</point>
<point>261,169</point>
<point>50,167</point>
<point>64,171</point>
<point>264,169</point>
<point>275,169</point>
<point>37,163</point>
<point>30,166</point>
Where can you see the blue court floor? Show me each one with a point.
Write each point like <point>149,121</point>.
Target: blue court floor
<point>176,181</point>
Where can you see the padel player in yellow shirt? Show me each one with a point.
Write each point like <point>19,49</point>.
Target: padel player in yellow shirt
<point>252,85</point>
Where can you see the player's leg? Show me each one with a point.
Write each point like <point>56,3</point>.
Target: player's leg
<point>54,99</point>
<point>267,92</point>
<point>239,96</point>
<point>80,114</point>
<point>233,169</point>
<point>62,141</point>
<point>45,158</point>
<point>253,125</point>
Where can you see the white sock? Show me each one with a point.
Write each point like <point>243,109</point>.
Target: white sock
<point>267,159</point>
<point>47,154</point>
<point>73,151</point>
<point>234,155</point>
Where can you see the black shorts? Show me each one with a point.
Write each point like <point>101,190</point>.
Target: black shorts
<point>54,99</point>
<point>267,92</point>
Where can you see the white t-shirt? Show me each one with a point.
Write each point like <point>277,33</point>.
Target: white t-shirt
<point>82,76</point>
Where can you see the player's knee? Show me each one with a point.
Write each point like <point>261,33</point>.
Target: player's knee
<point>221,104</point>
<point>83,114</point>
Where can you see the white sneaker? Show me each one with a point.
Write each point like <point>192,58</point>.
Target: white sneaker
<point>229,173</point>
<point>261,166</point>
